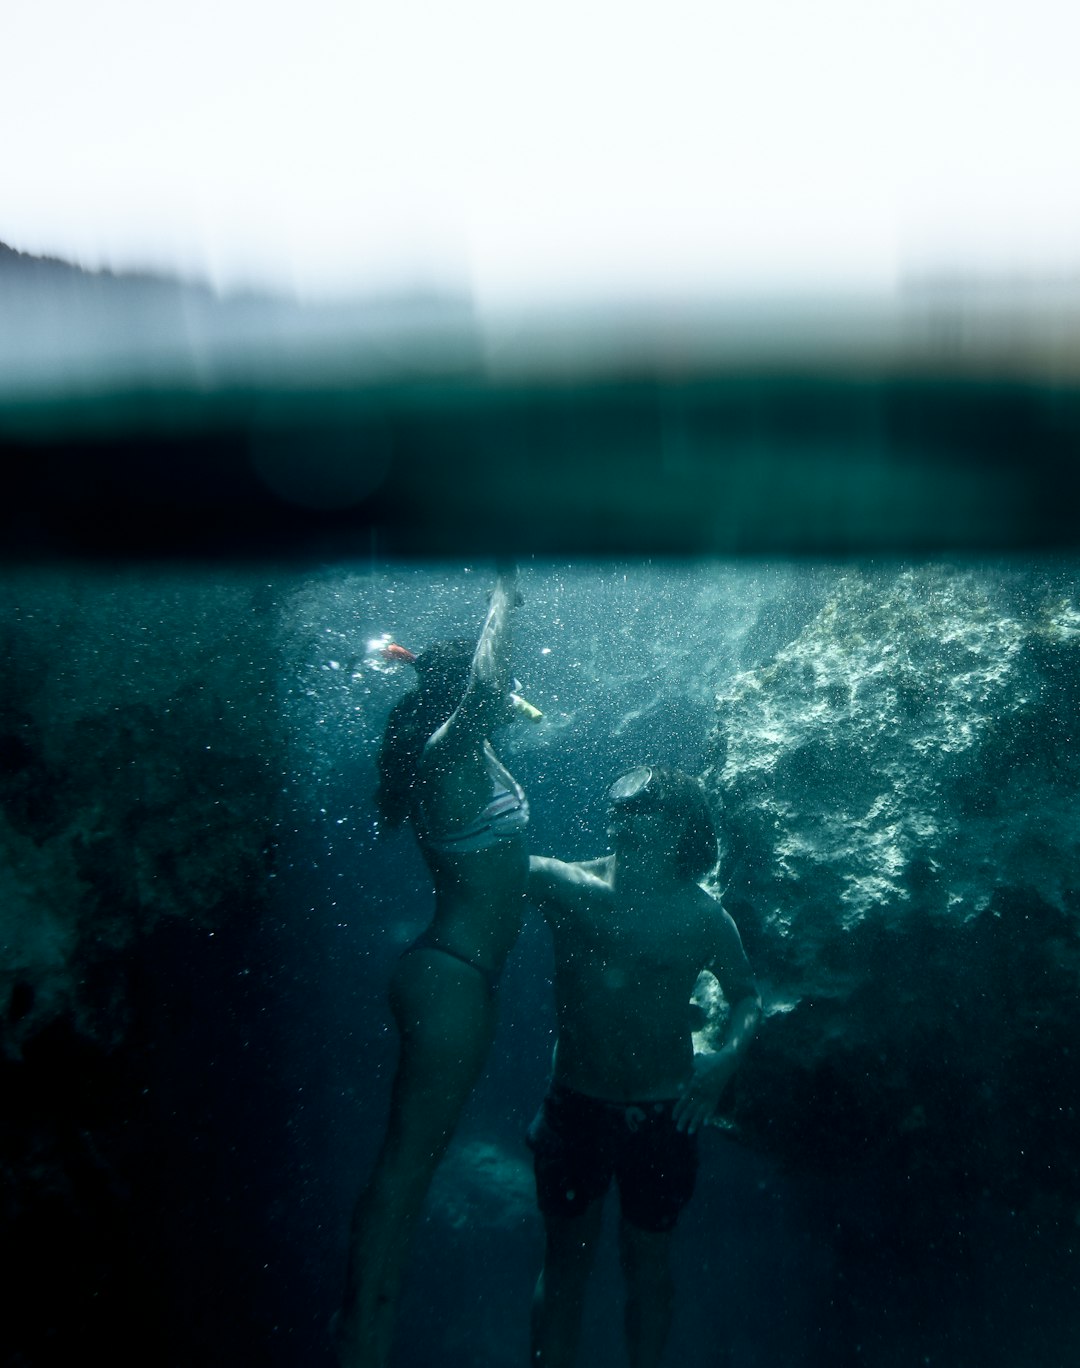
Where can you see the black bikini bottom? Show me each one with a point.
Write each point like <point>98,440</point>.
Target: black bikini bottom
<point>427,941</point>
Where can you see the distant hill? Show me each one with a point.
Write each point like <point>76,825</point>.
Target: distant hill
<point>68,330</point>
<point>11,260</point>
<point>24,267</point>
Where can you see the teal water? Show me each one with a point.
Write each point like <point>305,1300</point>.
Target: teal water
<point>201,917</point>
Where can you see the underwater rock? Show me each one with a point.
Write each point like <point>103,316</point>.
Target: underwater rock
<point>481,1186</point>
<point>137,725</point>
<point>139,792</point>
<point>898,793</point>
<point>899,797</point>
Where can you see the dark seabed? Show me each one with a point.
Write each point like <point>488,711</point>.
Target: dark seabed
<point>200,918</point>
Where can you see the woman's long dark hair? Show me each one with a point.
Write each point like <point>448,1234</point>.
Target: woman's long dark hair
<point>442,675</point>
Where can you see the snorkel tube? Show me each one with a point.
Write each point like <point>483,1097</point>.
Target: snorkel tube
<point>524,708</point>
<point>397,655</point>
<point>385,656</point>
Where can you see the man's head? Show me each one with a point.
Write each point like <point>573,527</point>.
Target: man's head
<point>679,801</point>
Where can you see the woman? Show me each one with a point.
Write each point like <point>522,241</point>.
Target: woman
<point>438,769</point>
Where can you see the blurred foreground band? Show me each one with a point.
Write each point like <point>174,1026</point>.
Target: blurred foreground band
<point>148,418</point>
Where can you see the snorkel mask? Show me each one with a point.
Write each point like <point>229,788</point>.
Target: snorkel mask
<point>635,789</point>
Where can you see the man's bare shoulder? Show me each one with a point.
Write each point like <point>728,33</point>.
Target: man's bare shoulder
<point>709,904</point>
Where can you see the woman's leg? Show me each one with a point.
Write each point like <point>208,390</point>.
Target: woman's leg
<point>446,1015</point>
<point>559,1298</point>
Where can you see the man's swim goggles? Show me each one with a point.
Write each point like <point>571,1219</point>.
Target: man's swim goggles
<point>634,788</point>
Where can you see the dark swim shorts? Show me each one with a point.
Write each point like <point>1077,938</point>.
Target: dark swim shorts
<point>580,1143</point>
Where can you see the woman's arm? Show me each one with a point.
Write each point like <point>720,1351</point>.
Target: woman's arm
<point>489,675</point>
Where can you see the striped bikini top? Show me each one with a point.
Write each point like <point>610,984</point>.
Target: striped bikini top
<point>501,820</point>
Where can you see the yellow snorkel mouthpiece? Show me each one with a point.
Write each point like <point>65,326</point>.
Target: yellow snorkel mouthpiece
<point>524,708</point>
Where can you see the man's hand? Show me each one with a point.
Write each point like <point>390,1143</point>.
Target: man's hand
<point>701,1096</point>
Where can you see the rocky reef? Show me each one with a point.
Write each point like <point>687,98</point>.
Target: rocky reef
<point>138,797</point>
<point>135,723</point>
<point>899,792</point>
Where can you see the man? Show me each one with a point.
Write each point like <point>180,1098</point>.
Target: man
<point>632,931</point>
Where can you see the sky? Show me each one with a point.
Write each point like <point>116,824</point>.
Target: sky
<point>571,151</point>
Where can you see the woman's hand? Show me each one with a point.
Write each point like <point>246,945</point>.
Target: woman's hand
<point>506,580</point>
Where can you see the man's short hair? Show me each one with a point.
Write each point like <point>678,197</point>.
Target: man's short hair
<point>681,798</point>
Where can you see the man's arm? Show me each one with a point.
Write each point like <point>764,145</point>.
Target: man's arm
<point>550,878</point>
<point>713,1071</point>
<point>558,884</point>
<point>601,866</point>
